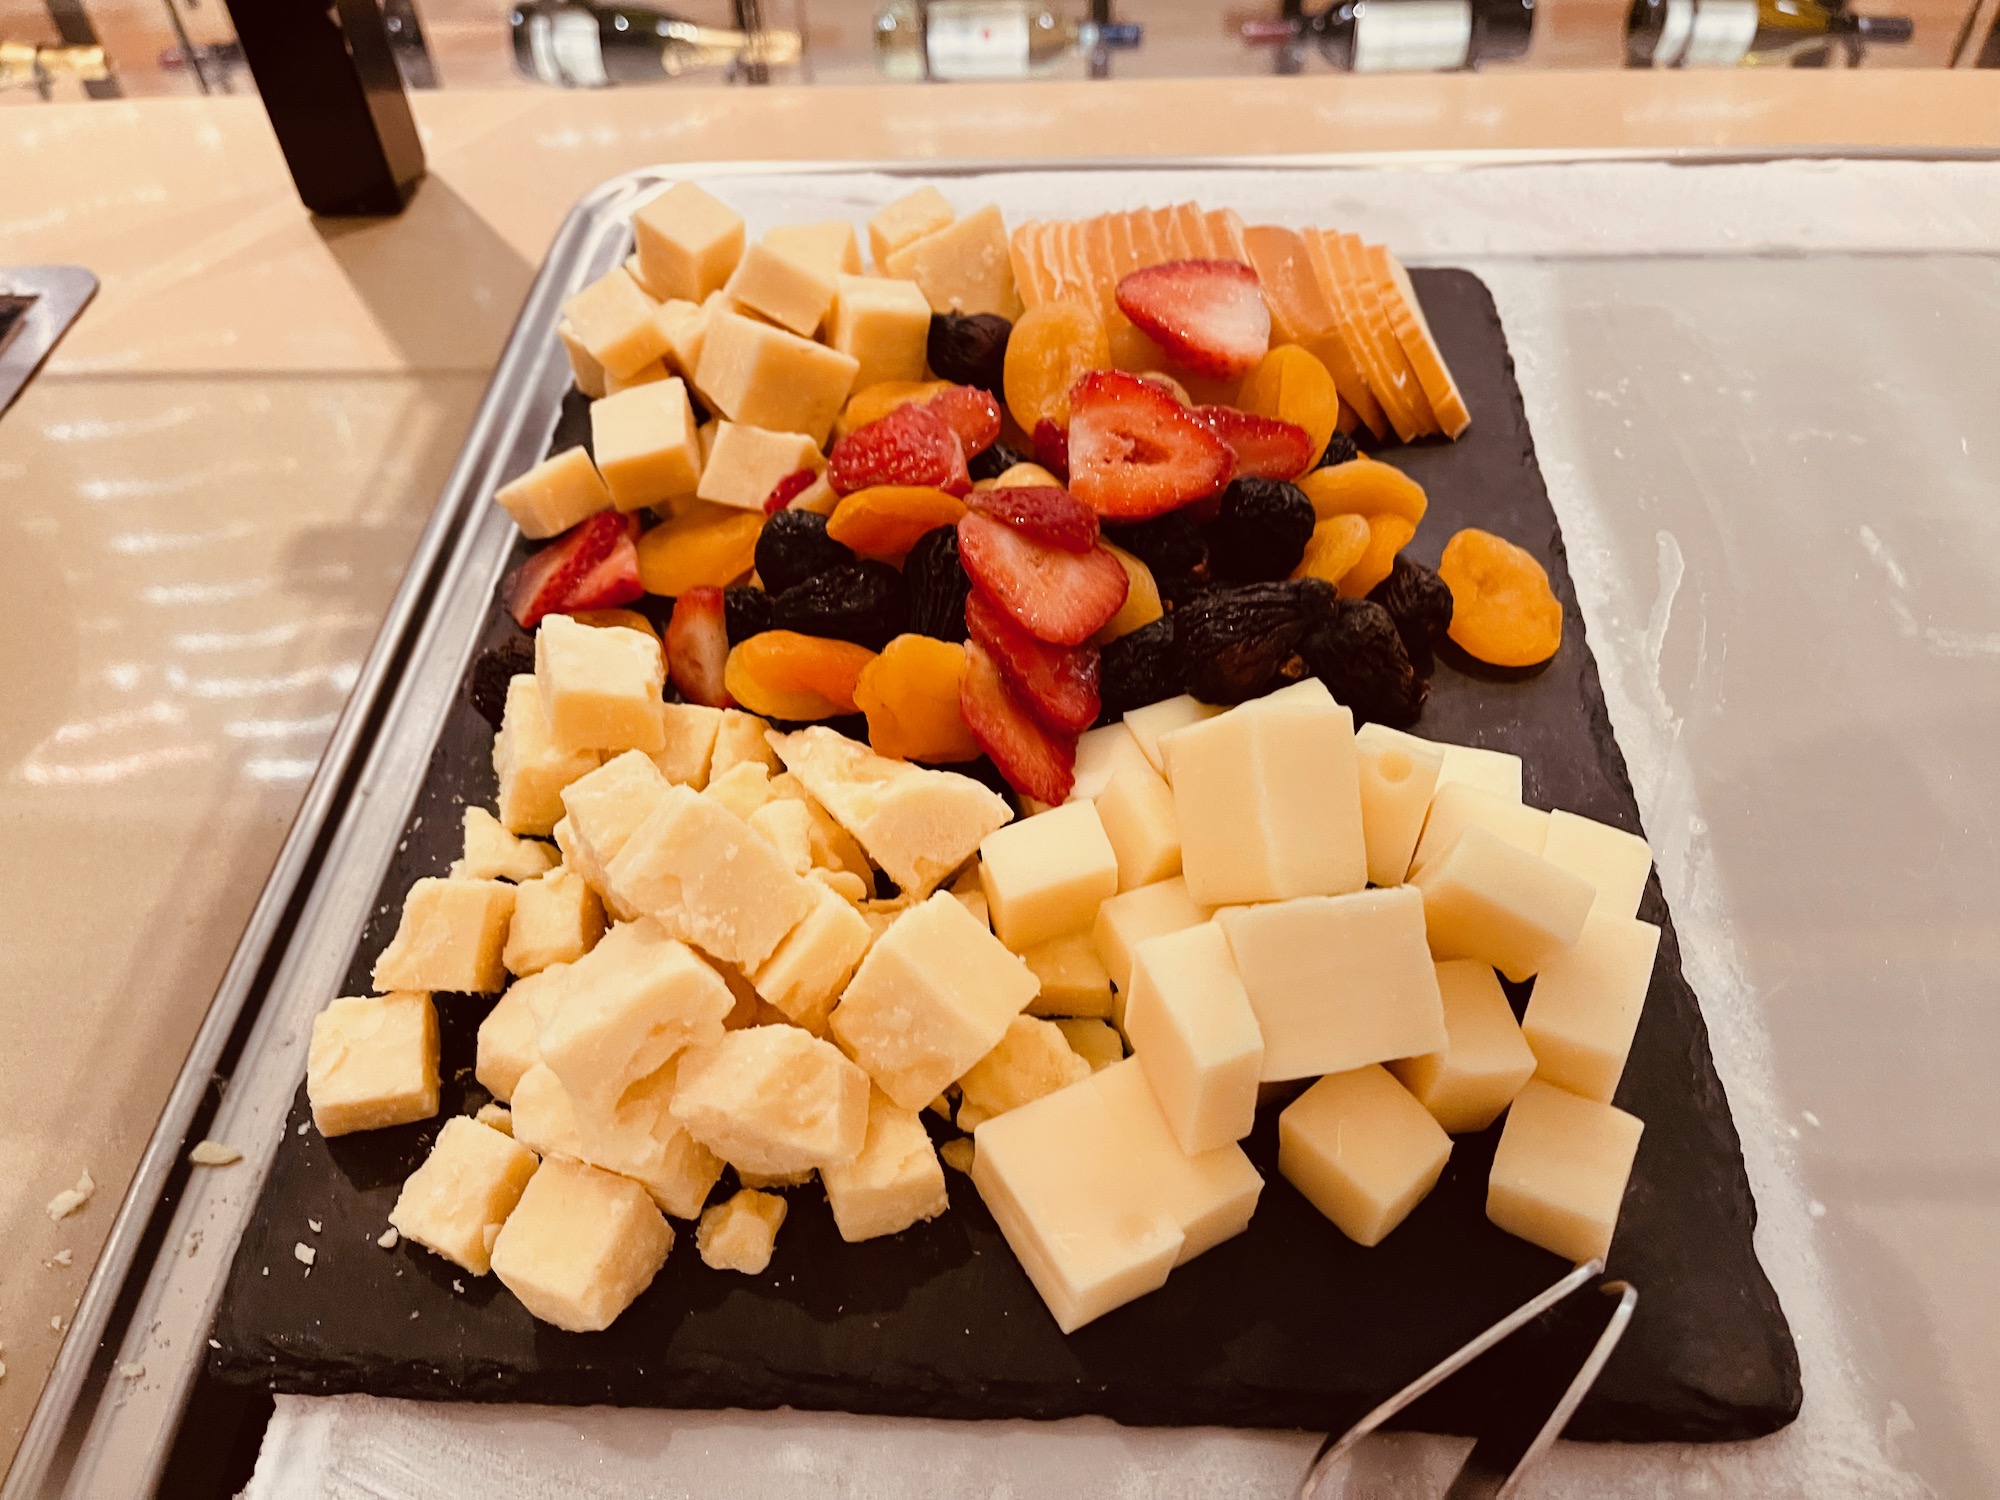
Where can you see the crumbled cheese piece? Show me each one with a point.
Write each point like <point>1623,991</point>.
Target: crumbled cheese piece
<point>741,1233</point>
<point>389,1238</point>
<point>69,1200</point>
<point>214,1154</point>
<point>956,1153</point>
<point>303,1253</point>
<point>313,1225</point>
<point>131,1370</point>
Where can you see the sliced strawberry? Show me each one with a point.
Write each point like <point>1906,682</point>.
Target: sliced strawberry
<point>593,565</point>
<point>1057,683</point>
<point>698,647</point>
<point>788,489</point>
<point>1052,448</point>
<point>1265,447</point>
<point>1043,512</point>
<point>912,445</point>
<point>973,414</point>
<point>1208,315</point>
<point>1061,597</point>
<point>1036,762</point>
<point>1135,452</point>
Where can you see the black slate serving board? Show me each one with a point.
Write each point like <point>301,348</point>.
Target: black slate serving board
<point>1289,1325</point>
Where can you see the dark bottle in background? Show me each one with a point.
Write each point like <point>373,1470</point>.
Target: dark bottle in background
<point>582,44</point>
<point>1737,33</point>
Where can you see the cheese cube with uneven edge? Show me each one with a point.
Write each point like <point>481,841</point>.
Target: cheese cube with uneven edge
<point>581,1246</point>
<point>806,972</point>
<point>1497,771</point>
<point>646,444</point>
<point>742,788</point>
<point>557,919</point>
<point>531,767</point>
<point>884,324</point>
<point>507,1045</point>
<point>787,827</point>
<point>1073,978</point>
<point>963,267</point>
<point>646,374</point>
<point>1155,721</point>
<point>1362,1150</point>
<point>555,494</point>
<point>906,221</point>
<point>588,372</point>
<point>769,377</point>
<point>1398,773</point>
<point>1585,1008</point>
<point>789,291</point>
<point>1485,1061</point>
<point>1487,899</point>
<point>831,245</point>
<point>637,1137</point>
<point>451,937</point>
<point>688,242</point>
<point>613,320</point>
<point>373,1062</point>
<point>894,1181</point>
<point>1460,805</point>
<point>742,739</point>
<point>455,1203</point>
<point>544,1116</point>
<point>600,688</point>
<point>688,733</point>
<point>1560,1170</point>
<point>1614,861</point>
<point>773,1099</point>
<point>603,809</point>
<point>1130,917</point>
<point>934,995</point>
<point>1092,1040</point>
<point>683,324</point>
<point>1196,1037</point>
<point>1268,798</point>
<point>1338,981</point>
<point>1137,811</point>
<point>1046,875</point>
<point>741,1232</point>
<point>744,464</point>
<point>492,853</point>
<point>1101,754</point>
<point>637,272</point>
<point>496,1117</point>
<point>1031,1059</point>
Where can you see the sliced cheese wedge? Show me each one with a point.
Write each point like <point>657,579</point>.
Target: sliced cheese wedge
<point>1225,234</point>
<point>1192,228</point>
<point>1103,267</point>
<point>1146,239</point>
<point>1301,314</point>
<point>1031,273</point>
<point>1354,260</point>
<point>1329,264</point>
<point>1413,332</point>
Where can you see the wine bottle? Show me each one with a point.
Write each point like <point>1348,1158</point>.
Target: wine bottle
<point>953,39</point>
<point>1405,36</point>
<point>1733,33</point>
<point>584,44</point>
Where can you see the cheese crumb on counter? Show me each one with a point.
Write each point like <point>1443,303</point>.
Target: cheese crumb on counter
<point>70,1200</point>
<point>303,1253</point>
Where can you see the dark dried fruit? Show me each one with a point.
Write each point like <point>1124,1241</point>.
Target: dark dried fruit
<point>1173,550</point>
<point>993,461</point>
<point>794,546</point>
<point>1359,655</point>
<point>496,666</point>
<point>1340,449</point>
<point>855,601</point>
<point>1260,531</point>
<point>1140,668</point>
<point>745,612</point>
<point>1420,603</point>
<point>969,350</point>
<point>935,586</point>
<point>1240,642</point>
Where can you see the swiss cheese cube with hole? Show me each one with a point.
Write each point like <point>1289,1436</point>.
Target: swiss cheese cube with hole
<point>806,972</point>
<point>373,1062</point>
<point>613,320</point>
<point>1585,1008</point>
<point>784,288</point>
<point>688,242</point>
<point>770,377</point>
<point>1073,977</point>
<point>531,766</point>
<point>1362,1150</point>
<point>492,853</point>
<point>1047,875</point>
<point>741,1232</point>
<point>646,444</point>
<point>581,1246</point>
<point>1196,1037</point>
<point>831,245</point>
<point>1102,753</point>
<point>773,1099</point>
<point>507,1045</point>
<point>1497,771</point>
<point>1398,773</point>
<point>884,324</point>
<point>687,732</point>
<point>1130,917</point>
<point>582,364</point>
<point>1153,722</point>
<point>906,221</point>
<point>1137,811</point>
<point>1615,862</point>
<point>636,1136</point>
<point>894,1181</point>
<point>555,494</point>
<point>600,688</point>
<point>544,1116</point>
<point>557,919</point>
<point>451,937</point>
<point>455,1203</point>
<point>934,995</point>
<point>964,267</point>
<point>1460,805</point>
<point>1490,900</point>
<point>745,464</point>
<point>1560,1170</point>
<point>1485,1061</point>
<point>1032,1058</point>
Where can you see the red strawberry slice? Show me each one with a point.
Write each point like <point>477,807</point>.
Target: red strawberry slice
<point>1265,447</point>
<point>1057,683</point>
<point>1208,315</point>
<point>1035,762</point>
<point>1135,452</point>
<point>1061,597</point>
<point>698,647</point>
<point>788,489</point>
<point>1052,448</point>
<point>593,565</point>
<point>1045,513</point>
<point>912,445</point>
<point>971,413</point>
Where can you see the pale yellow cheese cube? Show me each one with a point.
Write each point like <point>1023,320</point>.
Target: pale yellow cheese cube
<point>1497,771</point>
<point>373,1062</point>
<point>650,373</point>
<point>613,320</point>
<point>1130,917</point>
<point>884,324</point>
<point>1398,774</point>
<point>531,766</point>
<point>964,267</point>
<point>455,1203</point>
<point>1362,1150</point>
<point>495,1117</point>
<point>894,1181</point>
<point>451,937</point>
<point>780,287</point>
<point>507,1043</point>
<point>975,902</point>
<point>1095,1041</point>
<point>581,1246</point>
<point>637,1137</point>
<point>1073,977</point>
<point>1560,1171</point>
<point>492,853</point>
<point>806,972</point>
<point>1585,1007</point>
<point>683,325</point>
<point>742,739</point>
<point>852,889</point>
<point>555,494</point>
<point>646,445</point>
<point>637,271</point>
<point>906,221</point>
<point>1338,981</point>
<point>741,1232</point>
<point>770,377</point>
<point>1460,805</point>
<point>744,464</point>
<point>1046,876</point>
<point>1487,899</point>
<point>688,731</point>
<point>773,1099</point>
<point>933,996</point>
<point>600,688</point>
<point>1196,1037</point>
<point>603,809</point>
<point>1485,1061</point>
<point>743,788</point>
<point>830,245</point>
<point>1155,721</point>
<point>688,242</point>
<point>1614,861</point>
<point>1137,811</point>
<point>1101,754</point>
<point>557,919</point>
<point>544,1117</point>
<point>589,374</point>
<point>1031,1059</point>
<point>819,497</point>
<point>787,827</point>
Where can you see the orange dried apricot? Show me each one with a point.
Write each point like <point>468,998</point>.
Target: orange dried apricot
<point>1291,385</point>
<point>885,520</point>
<point>873,402</point>
<point>1052,346</point>
<point>910,694</point>
<point>1503,610</point>
<point>1365,487</point>
<point>782,674</point>
<point>1387,535</point>
<point>1142,598</point>
<point>1334,548</point>
<point>700,544</point>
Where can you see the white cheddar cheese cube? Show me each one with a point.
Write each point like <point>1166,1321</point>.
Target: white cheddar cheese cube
<point>1130,917</point>
<point>637,1137</point>
<point>588,372</point>
<point>1497,771</point>
<point>1196,1037</point>
<point>831,245</point>
<point>600,688</point>
<point>688,242</point>
<point>1585,1008</point>
<point>743,788</point>
<point>532,768</point>
<point>1155,721</point>
<point>495,1117</point>
<point>1031,1059</point>
<point>1362,1150</point>
<point>1092,1040</point>
<point>581,1246</point>
<point>1338,981</point>
<point>1045,876</point>
<point>683,324</point>
<point>646,445</point>
<point>787,827</point>
<point>780,287</point>
<point>1560,1171</point>
<point>769,377</point>
<point>544,1116</point>
<point>894,1181</point>
<point>688,731</point>
<point>613,319</point>
<point>1137,811</point>
<point>507,1044</point>
<point>1100,755</point>
<point>885,325</point>
<point>603,809</point>
<point>1460,805</point>
<point>806,972</point>
<point>1485,1061</point>
<point>741,1232</point>
<point>451,937</point>
<point>455,1203</point>
<point>906,221</point>
<point>557,919</point>
<point>555,494</point>
<point>373,1062</point>
<point>742,739</point>
<point>934,995</point>
<point>963,268</point>
<point>1614,861</point>
<point>744,464</point>
<point>492,853</point>
<point>1487,899</point>
<point>773,1099</point>
<point>1399,773</point>
<point>1073,977</point>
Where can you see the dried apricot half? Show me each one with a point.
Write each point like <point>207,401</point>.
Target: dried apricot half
<point>1291,385</point>
<point>885,520</point>
<point>1050,349</point>
<point>1387,535</point>
<point>703,544</point>
<point>782,674</point>
<point>910,694</point>
<point>1365,487</point>
<point>1503,610</point>
<point>1334,548</point>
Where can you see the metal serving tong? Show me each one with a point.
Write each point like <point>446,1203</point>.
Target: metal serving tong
<point>1480,1475</point>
